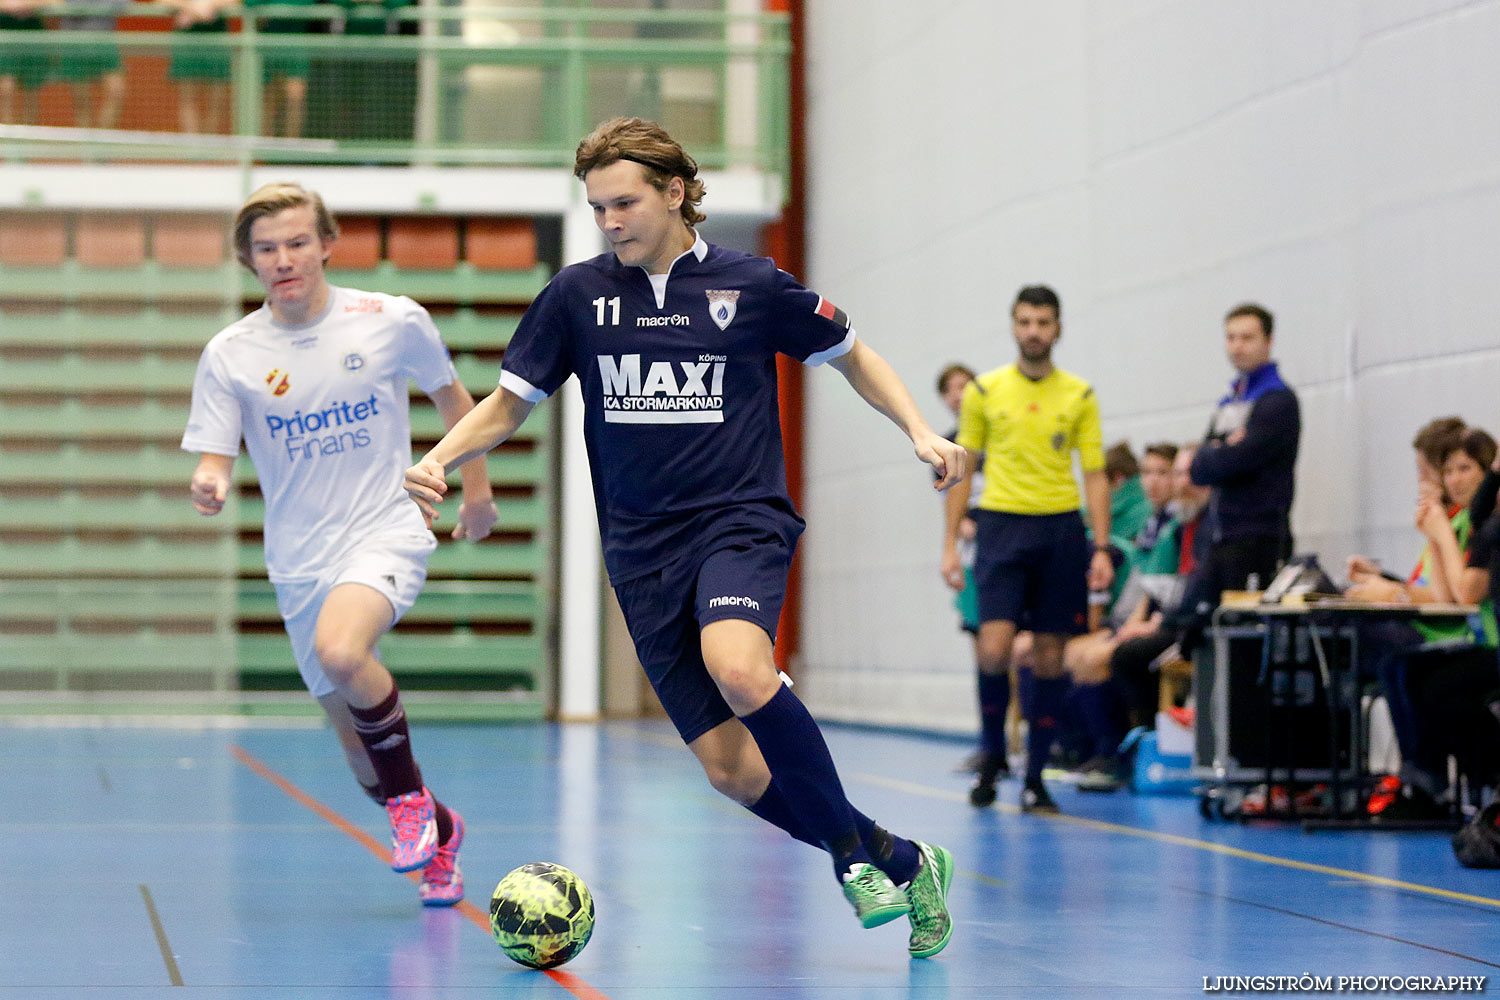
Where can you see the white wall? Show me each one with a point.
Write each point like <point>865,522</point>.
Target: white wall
<point>1156,162</point>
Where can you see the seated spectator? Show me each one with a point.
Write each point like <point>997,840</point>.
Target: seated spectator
<point>81,65</point>
<point>1368,581</point>
<point>23,69</point>
<point>1134,655</point>
<point>1386,646</point>
<point>1128,506</point>
<point>1461,697</point>
<point>1159,488</point>
<point>1106,700</point>
<point>1403,656</point>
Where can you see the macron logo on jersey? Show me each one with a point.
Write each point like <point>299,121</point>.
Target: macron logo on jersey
<point>681,392</point>
<point>734,602</point>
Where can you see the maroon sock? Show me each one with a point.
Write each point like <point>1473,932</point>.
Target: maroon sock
<point>444,820</point>
<point>382,729</point>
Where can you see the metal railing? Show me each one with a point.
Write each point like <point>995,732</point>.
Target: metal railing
<point>468,85</point>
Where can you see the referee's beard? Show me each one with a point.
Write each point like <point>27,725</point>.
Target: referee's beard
<point>1035,355</point>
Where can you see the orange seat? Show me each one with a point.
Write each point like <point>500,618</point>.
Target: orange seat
<point>112,240</point>
<point>32,239</point>
<point>183,240</point>
<point>358,245</point>
<point>501,244</point>
<point>423,243</point>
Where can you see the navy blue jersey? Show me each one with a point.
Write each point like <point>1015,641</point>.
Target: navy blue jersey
<point>679,388</point>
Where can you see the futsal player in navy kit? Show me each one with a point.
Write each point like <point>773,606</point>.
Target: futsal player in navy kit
<point>674,342</point>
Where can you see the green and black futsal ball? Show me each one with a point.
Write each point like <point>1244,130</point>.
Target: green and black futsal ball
<point>541,915</point>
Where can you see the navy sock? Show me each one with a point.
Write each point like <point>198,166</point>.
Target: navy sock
<point>1048,695</point>
<point>802,768</point>
<point>994,702</point>
<point>1026,690</point>
<point>1096,704</point>
<point>896,856</point>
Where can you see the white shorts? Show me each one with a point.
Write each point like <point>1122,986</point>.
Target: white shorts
<point>395,564</point>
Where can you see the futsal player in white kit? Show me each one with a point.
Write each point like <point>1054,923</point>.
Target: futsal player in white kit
<point>315,383</point>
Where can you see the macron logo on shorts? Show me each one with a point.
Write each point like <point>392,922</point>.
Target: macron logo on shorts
<point>734,602</point>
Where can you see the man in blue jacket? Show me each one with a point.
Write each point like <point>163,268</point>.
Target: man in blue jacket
<point>1248,458</point>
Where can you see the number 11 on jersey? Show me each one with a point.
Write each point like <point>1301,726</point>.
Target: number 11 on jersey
<point>614,311</point>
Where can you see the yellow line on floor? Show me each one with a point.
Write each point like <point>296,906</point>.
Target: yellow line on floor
<point>928,791</point>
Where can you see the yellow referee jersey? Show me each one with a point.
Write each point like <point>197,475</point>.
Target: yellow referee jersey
<point>1027,431</point>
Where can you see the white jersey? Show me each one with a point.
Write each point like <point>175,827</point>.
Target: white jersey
<point>322,409</point>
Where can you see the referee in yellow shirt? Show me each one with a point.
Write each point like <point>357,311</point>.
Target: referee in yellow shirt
<point>1032,564</point>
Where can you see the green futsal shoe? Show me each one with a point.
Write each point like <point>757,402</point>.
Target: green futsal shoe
<point>931,927</point>
<point>875,898</point>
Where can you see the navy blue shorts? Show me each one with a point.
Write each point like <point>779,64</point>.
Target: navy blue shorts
<point>1032,569</point>
<point>739,574</point>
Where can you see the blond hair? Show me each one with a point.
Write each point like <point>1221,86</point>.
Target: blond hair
<point>648,144</point>
<point>272,199</point>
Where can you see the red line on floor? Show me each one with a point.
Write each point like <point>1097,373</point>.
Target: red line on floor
<point>479,918</point>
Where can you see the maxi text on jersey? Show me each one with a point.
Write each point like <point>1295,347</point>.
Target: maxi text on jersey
<point>672,392</point>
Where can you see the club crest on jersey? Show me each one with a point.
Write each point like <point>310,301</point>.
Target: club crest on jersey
<point>722,305</point>
<point>353,362</point>
<point>278,382</point>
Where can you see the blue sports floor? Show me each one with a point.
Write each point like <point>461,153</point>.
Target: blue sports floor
<point>238,864</point>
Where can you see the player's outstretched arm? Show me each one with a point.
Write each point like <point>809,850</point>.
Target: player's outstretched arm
<point>492,420</point>
<point>477,513</point>
<point>210,485</point>
<point>878,384</point>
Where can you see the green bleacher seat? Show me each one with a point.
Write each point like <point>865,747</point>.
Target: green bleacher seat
<point>72,464</point>
<point>64,419</point>
<point>54,554</point>
<point>73,509</point>
<point>467,329</point>
<point>71,326</point>
<point>427,423</point>
<point>150,282</point>
<point>73,373</point>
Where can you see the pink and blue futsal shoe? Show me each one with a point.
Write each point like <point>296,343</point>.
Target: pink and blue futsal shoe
<point>414,836</point>
<point>442,883</point>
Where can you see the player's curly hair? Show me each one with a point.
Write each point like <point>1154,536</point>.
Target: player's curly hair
<point>274,198</point>
<point>648,144</point>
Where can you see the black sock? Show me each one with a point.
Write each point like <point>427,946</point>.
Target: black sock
<point>802,768</point>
